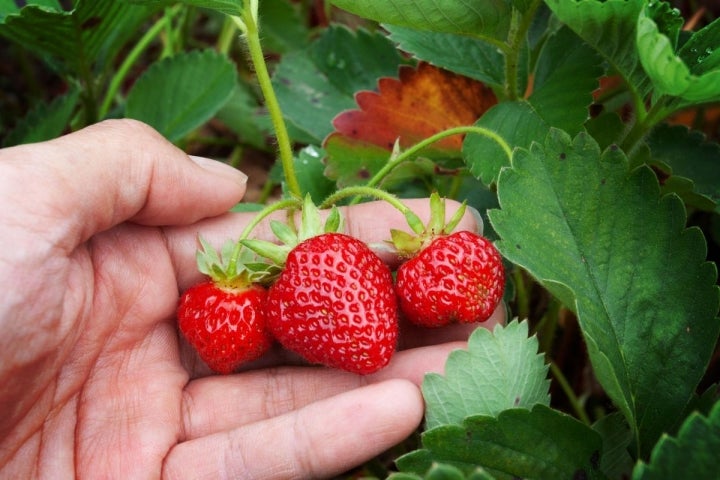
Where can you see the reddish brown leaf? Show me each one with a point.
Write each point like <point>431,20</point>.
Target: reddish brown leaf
<point>421,102</point>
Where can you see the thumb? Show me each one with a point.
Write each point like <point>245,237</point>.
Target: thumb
<point>117,171</point>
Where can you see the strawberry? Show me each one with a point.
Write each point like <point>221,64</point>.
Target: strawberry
<point>334,304</point>
<point>223,318</point>
<point>226,325</point>
<point>457,278</point>
<point>448,277</point>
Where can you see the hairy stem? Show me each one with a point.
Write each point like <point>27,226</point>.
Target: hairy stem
<point>249,26</point>
<point>132,58</point>
<point>412,151</point>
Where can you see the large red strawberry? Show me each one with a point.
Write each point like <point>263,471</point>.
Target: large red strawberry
<point>334,304</point>
<point>449,277</point>
<point>458,278</point>
<point>223,318</point>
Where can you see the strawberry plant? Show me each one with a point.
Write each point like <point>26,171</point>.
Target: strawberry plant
<point>585,131</point>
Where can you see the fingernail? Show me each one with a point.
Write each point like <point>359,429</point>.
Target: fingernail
<point>478,219</point>
<point>220,168</point>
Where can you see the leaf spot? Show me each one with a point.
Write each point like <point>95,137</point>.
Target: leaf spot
<point>563,156</point>
<point>580,475</point>
<point>595,460</point>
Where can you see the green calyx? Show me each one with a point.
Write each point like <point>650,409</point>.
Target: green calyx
<point>408,244</point>
<point>311,225</point>
<point>234,267</point>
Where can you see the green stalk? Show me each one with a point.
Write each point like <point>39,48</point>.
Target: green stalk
<point>249,26</point>
<point>410,152</point>
<point>131,59</point>
<point>516,35</point>
<point>367,191</point>
<point>574,400</point>
<point>658,112</point>
<point>261,215</point>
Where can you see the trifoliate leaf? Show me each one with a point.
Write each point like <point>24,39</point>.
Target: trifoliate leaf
<point>180,93</point>
<point>228,7</point>
<point>46,121</point>
<point>683,153</point>
<point>601,239</point>
<point>323,78</point>
<point>668,72</point>
<point>489,18</point>
<point>609,27</point>
<point>692,454</point>
<point>616,461</point>
<point>567,72</point>
<point>441,471</point>
<point>83,39</point>
<point>518,123</point>
<point>499,370</point>
<point>542,444</point>
<point>419,103</point>
<point>461,54</point>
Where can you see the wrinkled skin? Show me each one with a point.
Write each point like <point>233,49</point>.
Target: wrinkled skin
<point>98,240</point>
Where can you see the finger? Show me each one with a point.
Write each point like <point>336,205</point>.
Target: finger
<point>370,222</point>
<point>415,336</point>
<point>212,404</point>
<point>115,171</point>
<point>319,440</point>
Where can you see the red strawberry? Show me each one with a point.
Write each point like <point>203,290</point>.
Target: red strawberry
<point>334,304</point>
<point>225,325</point>
<point>456,278</point>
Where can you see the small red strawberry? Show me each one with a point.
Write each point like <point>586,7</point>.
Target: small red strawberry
<point>224,318</point>
<point>225,325</point>
<point>334,304</point>
<point>457,278</point>
<point>450,277</point>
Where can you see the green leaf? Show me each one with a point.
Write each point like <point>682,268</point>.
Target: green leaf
<point>498,371</point>
<point>228,7</point>
<point>467,56</point>
<point>490,18</point>
<point>180,93</point>
<point>89,35</point>
<point>603,241</point>
<point>309,169</point>
<point>9,7</point>
<point>46,121</point>
<point>353,162</point>
<point>700,52</point>
<point>243,115</point>
<point>517,123</point>
<point>684,153</point>
<point>324,78</point>
<point>692,454</point>
<point>609,27</point>
<point>668,72</point>
<point>282,26</point>
<point>540,444</point>
<point>616,461</point>
<point>566,74</point>
<point>441,471</point>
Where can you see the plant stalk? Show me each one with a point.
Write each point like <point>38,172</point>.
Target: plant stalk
<point>410,152</point>
<point>132,58</point>
<point>249,26</point>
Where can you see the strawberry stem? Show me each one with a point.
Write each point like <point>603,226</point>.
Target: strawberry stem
<point>262,214</point>
<point>248,24</point>
<point>396,160</point>
<point>366,191</point>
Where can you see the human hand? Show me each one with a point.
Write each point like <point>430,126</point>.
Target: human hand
<point>99,239</point>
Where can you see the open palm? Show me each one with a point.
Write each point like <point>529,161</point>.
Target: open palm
<point>99,239</point>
